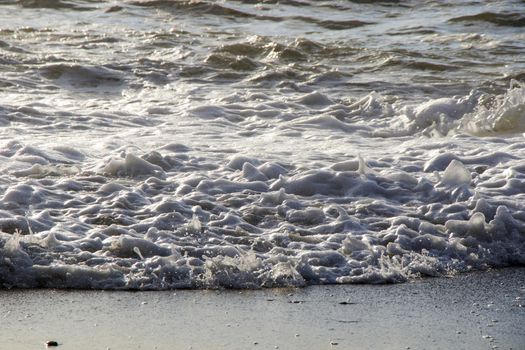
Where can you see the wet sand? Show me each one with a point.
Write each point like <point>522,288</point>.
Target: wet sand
<point>473,311</point>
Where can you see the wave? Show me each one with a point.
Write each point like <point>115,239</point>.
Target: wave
<point>251,144</point>
<point>75,76</point>
<point>507,19</point>
<point>477,114</point>
<point>503,114</point>
<point>480,114</point>
<point>222,10</point>
<point>374,115</point>
<point>56,4</point>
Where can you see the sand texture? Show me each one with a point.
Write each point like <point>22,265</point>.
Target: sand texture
<point>473,311</point>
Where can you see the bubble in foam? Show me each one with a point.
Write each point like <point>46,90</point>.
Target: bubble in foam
<point>131,166</point>
<point>456,174</point>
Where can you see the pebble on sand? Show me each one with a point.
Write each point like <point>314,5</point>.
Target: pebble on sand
<point>51,343</point>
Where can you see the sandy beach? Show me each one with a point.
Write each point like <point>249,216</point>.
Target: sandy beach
<point>472,311</point>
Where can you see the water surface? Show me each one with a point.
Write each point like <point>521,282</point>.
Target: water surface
<point>169,144</point>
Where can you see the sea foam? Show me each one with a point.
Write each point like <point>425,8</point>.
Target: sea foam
<point>209,144</point>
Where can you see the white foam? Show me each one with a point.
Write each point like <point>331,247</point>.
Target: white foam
<point>456,174</point>
<point>502,115</point>
<point>132,166</point>
<point>252,157</point>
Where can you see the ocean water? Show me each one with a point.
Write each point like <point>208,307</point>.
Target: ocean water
<point>244,144</point>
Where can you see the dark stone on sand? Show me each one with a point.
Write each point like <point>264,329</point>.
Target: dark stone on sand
<point>51,343</point>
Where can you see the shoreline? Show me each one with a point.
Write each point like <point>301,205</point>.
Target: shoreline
<point>479,310</point>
